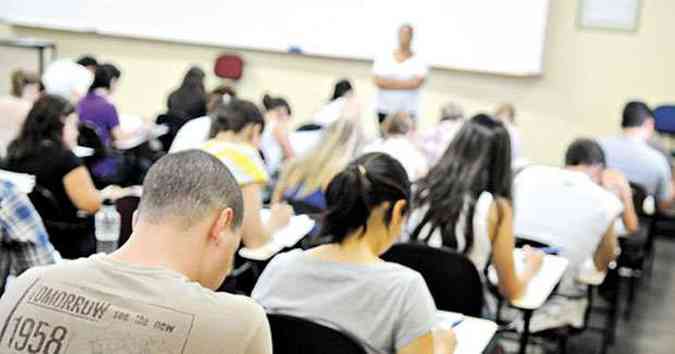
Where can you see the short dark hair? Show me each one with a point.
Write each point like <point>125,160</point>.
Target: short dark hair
<point>364,184</point>
<point>235,116</point>
<point>87,60</point>
<point>104,75</point>
<point>635,113</point>
<point>341,88</point>
<point>188,185</point>
<point>585,151</point>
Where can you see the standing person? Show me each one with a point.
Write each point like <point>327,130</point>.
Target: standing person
<point>345,284</point>
<point>14,108</point>
<point>24,242</point>
<point>155,294</point>
<point>465,203</point>
<point>67,79</point>
<point>398,77</point>
<point>630,154</point>
<point>275,144</point>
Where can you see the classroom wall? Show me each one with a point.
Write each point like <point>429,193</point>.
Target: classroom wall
<point>588,75</point>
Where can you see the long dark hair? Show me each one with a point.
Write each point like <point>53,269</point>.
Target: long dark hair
<point>104,76</point>
<point>43,125</point>
<point>271,103</point>
<point>341,88</point>
<point>477,160</point>
<point>367,182</point>
<point>234,116</point>
<point>189,100</point>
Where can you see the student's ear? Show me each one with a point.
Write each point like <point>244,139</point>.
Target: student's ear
<point>222,224</point>
<point>398,214</point>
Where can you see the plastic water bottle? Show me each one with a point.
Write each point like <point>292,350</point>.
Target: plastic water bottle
<point>107,227</point>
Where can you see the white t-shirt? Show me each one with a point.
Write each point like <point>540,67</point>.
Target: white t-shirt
<point>390,101</point>
<point>402,149</point>
<point>192,135</point>
<point>564,209</point>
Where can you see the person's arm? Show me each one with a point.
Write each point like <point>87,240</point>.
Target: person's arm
<point>664,192</point>
<point>255,233</point>
<point>81,191</point>
<point>500,227</point>
<point>439,341</point>
<point>606,251</point>
<point>616,182</point>
<point>261,342</point>
<point>391,84</point>
<point>282,185</point>
<point>280,133</point>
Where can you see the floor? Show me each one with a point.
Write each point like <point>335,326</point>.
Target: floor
<point>651,329</point>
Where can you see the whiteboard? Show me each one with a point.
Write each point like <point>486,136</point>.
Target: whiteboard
<point>496,36</point>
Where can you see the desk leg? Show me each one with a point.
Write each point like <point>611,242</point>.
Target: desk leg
<point>525,337</point>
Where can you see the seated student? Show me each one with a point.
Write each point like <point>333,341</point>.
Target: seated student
<point>155,293</point>
<point>195,133</point>
<point>15,107</point>
<point>640,163</point>
<point>24,243</point>
<point>235,136</point>
<point>304,180</point>
<point>97,109</point>
<point>44,149</point>
<point>275,144</point>
<point>396,142</point>
<point>435,141</point>
<point>344,284</point>
<point>67,79</point>
<point>464,203</point>
<point>89,62</point>
<point>506,113</point>
<point>189,100</point>
<point>568,209</point>
<point>332,111</point>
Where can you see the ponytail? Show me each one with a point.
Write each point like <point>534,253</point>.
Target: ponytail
<point>365,184</point>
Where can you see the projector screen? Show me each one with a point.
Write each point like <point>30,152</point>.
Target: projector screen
<point>494,36</point>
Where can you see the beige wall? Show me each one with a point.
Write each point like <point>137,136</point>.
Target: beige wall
<point>587,76</point>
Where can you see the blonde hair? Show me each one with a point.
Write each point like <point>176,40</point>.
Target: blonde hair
<point>316,168</point>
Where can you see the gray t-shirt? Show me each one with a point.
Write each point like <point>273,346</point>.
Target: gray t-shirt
<point>97,305</point>
<point>640,163</point>
<point>384,306</point>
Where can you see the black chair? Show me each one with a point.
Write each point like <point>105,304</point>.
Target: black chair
<point>452,279</point>
<point>126,207</point>
<point>293,335</point>
<point>174,121</point>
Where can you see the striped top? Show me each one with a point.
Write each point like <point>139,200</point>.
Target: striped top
<point>242,160</point>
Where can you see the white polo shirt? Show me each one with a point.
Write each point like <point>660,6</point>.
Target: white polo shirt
<point>564,209</point>
<point>391,101</point>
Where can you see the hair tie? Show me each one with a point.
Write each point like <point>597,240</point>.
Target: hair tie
<point>362,170</point>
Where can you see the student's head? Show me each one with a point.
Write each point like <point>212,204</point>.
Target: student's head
<point>339,142</point>
<point>506,113</point>
<point>342,88</point>
<point>586,155</point>
<point>25,85</point>
<point>51,120</point>
<point>67,79</point>
<point>477,160</point>
<point>106,77</point>
<point>452,112</point>
<point>89,62</point>
<point>276,107</point>
<point>194,193</point>
<point>396,124</point>
<point>219,96</point>
<point>241,118</point>
<point>405,36</point>
<point>194,79</point>
<point>637,115</point>
<point>368,201</point>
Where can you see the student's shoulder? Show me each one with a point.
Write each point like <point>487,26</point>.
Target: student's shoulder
<point>400,273</point>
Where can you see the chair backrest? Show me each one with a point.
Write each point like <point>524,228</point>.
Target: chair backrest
<point>664,119</point>
<point>228,66</point>
<point>126,207</point>
<point>452,278</point>
<point>293,335</point>
<point>640,195</point>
